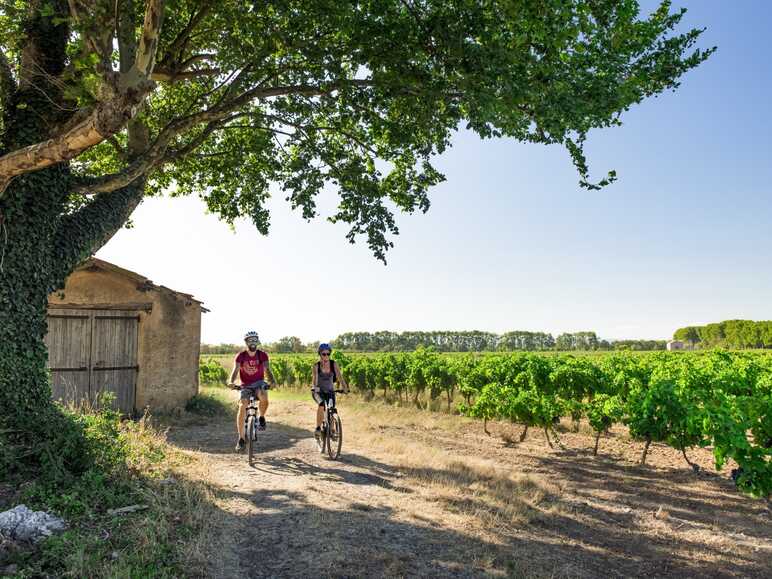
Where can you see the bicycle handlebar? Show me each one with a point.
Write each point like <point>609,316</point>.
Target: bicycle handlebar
<point>241,387</point>
<point>336,391</point>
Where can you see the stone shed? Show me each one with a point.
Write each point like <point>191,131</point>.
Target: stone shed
<point>114,330</point>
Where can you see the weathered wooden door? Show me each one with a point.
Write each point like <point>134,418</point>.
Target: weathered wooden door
<point>91,352</point>
<point>69,355</point>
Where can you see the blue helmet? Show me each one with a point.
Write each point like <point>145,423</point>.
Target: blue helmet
<point>324,346</point>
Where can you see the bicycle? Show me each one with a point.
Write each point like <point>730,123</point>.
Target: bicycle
<point>331,436</point>
<point>250,424</point>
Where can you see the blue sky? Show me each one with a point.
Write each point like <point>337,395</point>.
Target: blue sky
<point>511,241</point>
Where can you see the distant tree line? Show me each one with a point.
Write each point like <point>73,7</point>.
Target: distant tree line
<point>639,345</point>
<point>207,349</point>
<point>728,334</point>
<point>476,341</point>
<point>286,345</point>
<point>448,341</point>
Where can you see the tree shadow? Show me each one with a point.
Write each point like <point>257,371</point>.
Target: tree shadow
<point>704,499</point>
<point>219,437</point>
<point>330,471</point>
<point>304,515</point>
<point>360,539</point>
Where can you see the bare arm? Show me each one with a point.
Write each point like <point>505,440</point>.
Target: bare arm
<point>341,379</point>
<point>269,373</point>
<point>235,371</point>
<point>315,377</point>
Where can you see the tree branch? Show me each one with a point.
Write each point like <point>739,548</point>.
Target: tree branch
<point>156,153</point>
<point>165,75</point>
<point>119,102</point>
<point>127,41</point>
<point>82,233</point>
<point>177,47</point>
<point>99,46</point>
<point>305,128</point>
<point>7,82</point>
<point>105,119</point>
<point>154,156</point>
<point>138,134</point>
<point>148,43</point>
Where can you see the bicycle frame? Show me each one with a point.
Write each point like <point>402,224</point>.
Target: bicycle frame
<point>330,415</point>
<point>251,410</point>
<point>251,417</point>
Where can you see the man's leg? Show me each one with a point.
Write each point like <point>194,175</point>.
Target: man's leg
<point>240,423</point>
<point>240,417</point>
<point>262,396</point>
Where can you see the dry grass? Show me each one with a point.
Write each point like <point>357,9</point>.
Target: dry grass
<point>419,493</point>
<point>492,498</point>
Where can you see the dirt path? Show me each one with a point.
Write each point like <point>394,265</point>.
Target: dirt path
<point>430,497</point>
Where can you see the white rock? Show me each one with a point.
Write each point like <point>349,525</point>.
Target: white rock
<point>24,524</point>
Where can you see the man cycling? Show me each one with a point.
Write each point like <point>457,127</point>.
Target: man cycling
<point>325,373</point>
<point>251,365</point>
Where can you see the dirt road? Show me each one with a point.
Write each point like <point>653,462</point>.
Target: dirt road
<point>417,494</point>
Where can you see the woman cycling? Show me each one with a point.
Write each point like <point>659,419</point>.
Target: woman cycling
<point>325,373</point>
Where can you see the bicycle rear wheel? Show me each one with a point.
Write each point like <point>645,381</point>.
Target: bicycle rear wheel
<point>334,436</point>
<point>251,435</point>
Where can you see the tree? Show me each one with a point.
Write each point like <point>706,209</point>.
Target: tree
<point>288,344</point>
<point>104,102</point>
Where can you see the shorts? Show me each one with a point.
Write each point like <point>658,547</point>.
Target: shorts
<point>249,390</point>
<point>322,397</point>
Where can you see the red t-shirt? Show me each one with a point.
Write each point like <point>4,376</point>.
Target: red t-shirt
<point>251,368</point>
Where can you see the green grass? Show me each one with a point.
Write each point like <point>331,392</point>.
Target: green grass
<point>211,401</point>
<point>131,464</point>
<point>214,400</point>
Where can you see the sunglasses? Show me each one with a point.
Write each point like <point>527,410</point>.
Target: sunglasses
<point>325,353</point>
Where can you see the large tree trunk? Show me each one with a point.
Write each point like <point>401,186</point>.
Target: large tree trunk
<point>30,213</point>
<point>44,235</point>
<point>26,278</point>
<point>28,272</point>
<point>40,244</point>
<point>38,249</point>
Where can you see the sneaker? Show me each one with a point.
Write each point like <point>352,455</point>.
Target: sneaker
<point>318,433</point>
<point>261,423</point>
<point>240,444</point>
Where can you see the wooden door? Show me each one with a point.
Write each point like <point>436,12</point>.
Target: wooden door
<point>91,352</point>
<point>69,355</point>
<point>114,357</point>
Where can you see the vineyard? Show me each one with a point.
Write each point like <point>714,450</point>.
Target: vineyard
<point>721,400</point>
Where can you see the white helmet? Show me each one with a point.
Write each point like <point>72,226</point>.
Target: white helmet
<point>251,335</point>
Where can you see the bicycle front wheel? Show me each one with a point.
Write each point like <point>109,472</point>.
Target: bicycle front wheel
<point>334,436</point>
<point>251,435</point>
<point>321,439</point>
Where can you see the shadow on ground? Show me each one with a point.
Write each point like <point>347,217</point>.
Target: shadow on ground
<point>379,531</point>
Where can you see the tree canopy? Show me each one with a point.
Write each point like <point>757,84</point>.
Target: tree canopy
<point>728,334</point>
<point>223,99</point>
